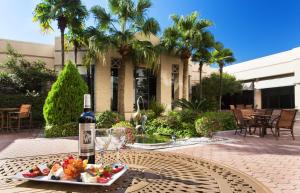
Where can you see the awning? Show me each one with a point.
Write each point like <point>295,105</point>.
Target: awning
<point>273,83</point>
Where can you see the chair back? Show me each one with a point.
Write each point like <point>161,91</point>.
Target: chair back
<point>231,107</point>
<point>238,117</point>
<point>247,112</point>
<point>286,119</point>
<point>268,111</point>
<point>240,106</point>
<point>275,114</point>
<point>249,106</point>
<point>260,111</point>
<point>25,110</point>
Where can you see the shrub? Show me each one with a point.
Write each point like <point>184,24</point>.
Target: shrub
<point>156,107</point>
<point>107,118</point>
<point>64,102</point>
<point>124,124</point>
<point>68,129</point>
<point>211,122</point>
<point>150,114</point>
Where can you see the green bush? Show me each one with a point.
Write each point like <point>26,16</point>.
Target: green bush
<point>124,124</point>
<point>107,118</point>
<point>210,122</point>
<point>68,129</point>
<point>150,114</point>
<point>64,102</point>
<point>156,107</point>
<point>171,125</point>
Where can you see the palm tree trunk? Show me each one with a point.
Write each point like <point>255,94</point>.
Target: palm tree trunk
<point>200,79</point>
<point>185,78</point>
<point>75,54</point>
<point>121,85</point>
<point>220,87</point>
<point>62,42</point>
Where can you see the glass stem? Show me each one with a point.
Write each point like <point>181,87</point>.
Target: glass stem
<point>102,156</point>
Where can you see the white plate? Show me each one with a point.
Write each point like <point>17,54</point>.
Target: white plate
<point>114,177</point>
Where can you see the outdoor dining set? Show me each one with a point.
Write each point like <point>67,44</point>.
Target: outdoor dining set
<point>12,118</point>
<point>277,120</point>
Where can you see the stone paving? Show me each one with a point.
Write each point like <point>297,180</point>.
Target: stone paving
<point>276,163</point>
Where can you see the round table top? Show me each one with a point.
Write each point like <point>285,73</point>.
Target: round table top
<point>149,171</point>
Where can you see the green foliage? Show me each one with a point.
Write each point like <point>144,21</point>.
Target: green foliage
<point>150,114</point>
<point>107,118</point>
<point>64,130</point>
<point>194,105</point>
<point>15,101</point>
<point>124,124</point>
<point>230,85</point>
<point>156,107</point>
<point>210,122</point>
<point>180,123</point>
<point>23,76</point>
<point>64,102</point>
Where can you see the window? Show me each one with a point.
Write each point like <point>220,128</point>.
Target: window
<point>175,82</point>
<point>115,65</point>
<point>145,86</point>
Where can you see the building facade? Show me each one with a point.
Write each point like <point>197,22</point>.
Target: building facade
<point>272,81</point>
<point>164,86</point>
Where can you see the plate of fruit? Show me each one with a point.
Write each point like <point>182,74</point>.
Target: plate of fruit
<point>74,171</point>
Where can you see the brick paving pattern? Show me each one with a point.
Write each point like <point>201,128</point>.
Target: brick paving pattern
<point>276,163</point>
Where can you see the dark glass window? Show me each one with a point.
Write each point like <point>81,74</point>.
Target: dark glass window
<point>115,65</point>
<point>145,86</point>
<point>281,97</point>
<point>175,82</point>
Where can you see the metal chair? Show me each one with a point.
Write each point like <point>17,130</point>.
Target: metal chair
<point>249,106</point>
<point>286,122</point>
<point>232,107</point>
<point>241,121</point>
<point>240,106</point>
<point>23,113</point>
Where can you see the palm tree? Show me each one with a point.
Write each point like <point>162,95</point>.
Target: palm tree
<point>64,12</point>
<point>76,31</point>
<point>121,23</point>
<point>184,36</point>
<point>203,55</point>
<point>221,56</point>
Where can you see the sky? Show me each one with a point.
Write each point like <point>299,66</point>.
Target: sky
<point>251,28</point>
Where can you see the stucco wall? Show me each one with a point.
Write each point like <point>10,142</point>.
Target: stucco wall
<point>31,51</point>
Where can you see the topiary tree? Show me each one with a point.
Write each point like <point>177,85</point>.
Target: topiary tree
<point>64,102</point>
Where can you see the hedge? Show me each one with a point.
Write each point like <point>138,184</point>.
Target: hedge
<point>210,122</point>
<point>69,129</point>
<point>64,102</point>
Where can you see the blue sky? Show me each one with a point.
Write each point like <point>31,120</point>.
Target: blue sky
<point>251,28</point>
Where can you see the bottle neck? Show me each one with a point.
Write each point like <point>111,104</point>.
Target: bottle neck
<point>86,109</point>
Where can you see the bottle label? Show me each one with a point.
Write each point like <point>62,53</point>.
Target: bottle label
<point>86,139</point>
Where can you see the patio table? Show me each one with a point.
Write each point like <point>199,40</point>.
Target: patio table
<point>5,111</point>
<point>149,171</point>
<point>263,121</point>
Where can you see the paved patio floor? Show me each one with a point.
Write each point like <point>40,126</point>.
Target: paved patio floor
<point>276,163</point>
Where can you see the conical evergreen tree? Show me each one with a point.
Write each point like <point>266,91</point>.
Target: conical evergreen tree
<point>64,102</point>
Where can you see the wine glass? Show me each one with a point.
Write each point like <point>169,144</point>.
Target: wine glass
<point>102,141</point>
<point>118,139</point>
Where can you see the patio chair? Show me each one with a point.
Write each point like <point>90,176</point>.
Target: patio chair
<point>273,120</point>
<point>240,106</point>
<point>286,122</point>
<point>268,111</point>
<point>231,107</point>
<point>260,111</point>
<point>249,106</point>
<point>241,122</point>
<point>23,113</point>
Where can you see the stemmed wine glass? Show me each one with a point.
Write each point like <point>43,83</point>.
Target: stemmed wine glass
<point>102,141</point>
<point>118,139</point>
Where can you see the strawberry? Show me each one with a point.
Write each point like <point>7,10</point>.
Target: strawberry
<point>102,180</point>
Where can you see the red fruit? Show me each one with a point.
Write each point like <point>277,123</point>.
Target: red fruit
<point>70,157</point>
<point>46,171</point>
<point>116,170</point>
<point>106,174</point>
<point>102,180</point>
<point>31,175</point>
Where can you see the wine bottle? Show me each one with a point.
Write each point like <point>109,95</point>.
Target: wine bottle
<point>87,123</point>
